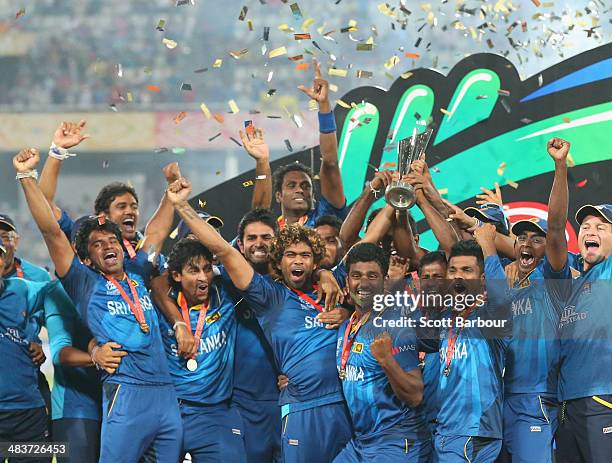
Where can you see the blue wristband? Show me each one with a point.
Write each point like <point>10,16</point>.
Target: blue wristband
<point>327,122</point>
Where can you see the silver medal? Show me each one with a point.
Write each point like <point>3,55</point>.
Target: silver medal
<point>192,364</point>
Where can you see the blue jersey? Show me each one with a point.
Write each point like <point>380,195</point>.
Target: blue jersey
<point>30,271</point>
<point>431,378</point>
<point>255,371</point>
<point>471,396</point>
<point>585,327</point>
<point>532,362</point>
<point>303,349</point>
<point>211,383</point>
<point>374,408</point>
<point>139,264</point>
<point>109,318</point>
<point>323,207</point>
<point>21,316</point>
<point>76,391</point>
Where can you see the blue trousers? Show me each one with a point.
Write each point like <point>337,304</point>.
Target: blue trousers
<point>212,433</point>
<point>26,425</point>
<point>386,449</point>
<point>466,449</point>
<point>261,421</point>
<point>530,423</point>
<point>136,418</point>
<point>82,435</point>
<point>315,435</point>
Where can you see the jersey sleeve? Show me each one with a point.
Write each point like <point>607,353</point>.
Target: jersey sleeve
<point>66,224</point>
<point>78,284</point>
<point>60,319</point>
<point>263,293</point>
<point>35,309</point>
<point>498,306</point>
<point>340,273</point>
<point>324,207</point>
<point>558,284</point>
<point>405,349</point>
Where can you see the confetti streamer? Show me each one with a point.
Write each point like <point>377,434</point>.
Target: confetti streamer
<point>277,52</point>
<point>295,10</point>
<point>247,183</point>
<point>160,25</point>
<point>153,88</point>
<point>304,36</point>
<point>205,110</point>
<point>364,47</point>
<point>178,150</point>
<point>233,106</point>
<point>406,75</point>
<point>179,117</point>
<point>214,136</point>
<point>202,203</point>
<point>412,55</point>
<point>218,62</point>
<point>171,44</point>
<point>338,72</point>
<point>288,145</point>
<point>582,183</point>
<point>302,66</point>
<point>236,141</point>
<point>343,104</point>
<point>186,87</point>
<point>243,13</point>
<point>512,184</point>
<point>219,118</point>
<point>501,168</point>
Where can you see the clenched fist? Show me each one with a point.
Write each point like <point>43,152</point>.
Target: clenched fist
<point>26,160</point>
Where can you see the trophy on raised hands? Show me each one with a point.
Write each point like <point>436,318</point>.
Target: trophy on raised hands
<point>400,194</point>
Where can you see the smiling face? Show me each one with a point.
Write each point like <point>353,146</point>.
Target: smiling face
<point>123,211</point>
<point>329,235</point>
<point>105,253</point>
<point>465,275</point>
<point>10,239</point>
<point>296,192</point>
<point>594,240</point>
<point>195,277</point>
<point>255,243</point>
<point>364,281</point>
<point>432,278</point>
<point>297,265</point>
<point>529,249</point>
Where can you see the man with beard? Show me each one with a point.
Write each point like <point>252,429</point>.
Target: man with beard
<point>585,378</point>
<point>139,401</point>
<point>532,362</point>
<point>292,183</point>
<point>378,365</point>
<point>328,228</point>
<point>472,355</point>
<point>316,424</point>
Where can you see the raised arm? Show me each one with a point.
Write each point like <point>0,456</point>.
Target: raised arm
<point>61,252</point>
<point>235,264</point>
<point>255,145</point>
<point>380,226</point>
<point>329,173</point>
<point>158,227</point>
<point>403,239</point>
<point>349,232</point>
<point>556,245</point>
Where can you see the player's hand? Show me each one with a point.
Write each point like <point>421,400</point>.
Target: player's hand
<point>282,382</point>
<point>558,149</point>
<point>255,144</point>
<point>172,172</point>
<point>464,221</point>
<point>68,134</point>
<point>319,90</point>
<point>107,358</point>
<point>179,191</point>
<point>186,344</point>
<point>334,318</point>
<point>397,267</point>
<point>37,354</point>
<point>26,160</point>
<point>381,348</point>
<point>489,196</point>
<point>382,179</point>
<point>512,273</point>
<point>485,236</point>
<point>329,287</point>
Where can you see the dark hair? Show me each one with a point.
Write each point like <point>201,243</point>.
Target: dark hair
<point>185,251</point>
<point>86,228</point>
<point>432,258</point>
<point>293,234</point>
<point>108,194</point>
<point>367,252</point>
<point>279,174</point>
<point>330,220</point>
<point>259,214</point>
<point>468,248</point>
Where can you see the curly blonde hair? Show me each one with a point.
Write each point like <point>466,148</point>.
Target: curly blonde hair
<point>292,234</point>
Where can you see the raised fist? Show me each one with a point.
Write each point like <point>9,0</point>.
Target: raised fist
<point>26,160</point>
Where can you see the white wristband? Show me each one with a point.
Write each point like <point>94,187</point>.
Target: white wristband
<point>93,353</point>
<point>59,153</point>
<point>177,324</point>
<point>29,174</point>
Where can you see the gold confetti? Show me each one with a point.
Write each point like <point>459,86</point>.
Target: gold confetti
<point>570,160</point>
<point>392,62</point>
<point>446,112</point>
<point>130,98</point>
<point>306,24</point>
<point>567,120</point>
<point>169,43</point>
<point>238,54</point>
<point>338,72</point>
<point>333,87</point>
<point>313,105</point>
<point>277,52</point>
<point>406,75</point>
<point>250,25</point>
<point>20,13</point>
<point>233,106</point>
<point>343,104</point>
<point>501,169</point>
<point>205,110</point>
<point>536,2</point>
<point>443,191</point>
<point>285,27</point>
<point>218,62</point>
<point>247,183</point>
<point>512,184</point>
<point>219,118</point>
<point>201,203</point>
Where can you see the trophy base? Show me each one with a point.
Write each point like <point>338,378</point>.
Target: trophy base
<point>400,196</point>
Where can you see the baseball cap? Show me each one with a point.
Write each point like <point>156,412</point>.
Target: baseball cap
<point>603,210</point>
<point>2,248</point>
<point>492,213</point>
<point>183,230</point>
<point>534,224</point>
<point>7,223</point>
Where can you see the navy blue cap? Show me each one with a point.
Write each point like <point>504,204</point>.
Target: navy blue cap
<point>183,230</point>
<point>2,248</point>
<point>78,223</point>
<point>603,210</point>
<point>534,224</point>
<point>491,213</point>
<point>7,223</point>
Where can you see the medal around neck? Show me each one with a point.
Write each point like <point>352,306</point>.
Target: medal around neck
<point>192,364</point>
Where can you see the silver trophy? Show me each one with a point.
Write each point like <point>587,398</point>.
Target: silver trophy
<point>400,194</point>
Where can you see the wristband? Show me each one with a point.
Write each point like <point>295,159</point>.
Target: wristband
<point>373,190</point>
<point>177,324</point>
<point>59,153</point>
<point>327,122</point>
<point>93,353</point>
<point>30,174</point>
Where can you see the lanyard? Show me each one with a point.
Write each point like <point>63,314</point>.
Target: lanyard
<point>129,248</point>
<point>135,306</point>
<point>307,298</point>
<point>450,350</point>
<point>347,342</point>
<point>201,318</point>
<point>282,223</point>
<point>18,269</point>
